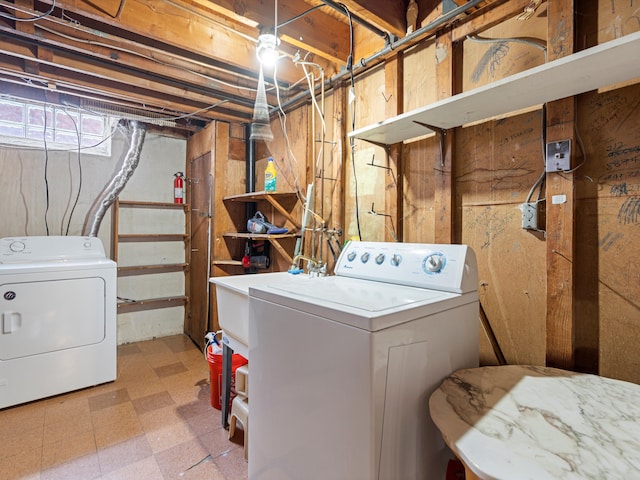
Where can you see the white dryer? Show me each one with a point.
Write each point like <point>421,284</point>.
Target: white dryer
<point>58,309</point>
<point>343,366</point>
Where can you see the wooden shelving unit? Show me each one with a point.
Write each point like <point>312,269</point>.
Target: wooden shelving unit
<point>283,203</point>
<point>126,306</point>
<point>607,64</point>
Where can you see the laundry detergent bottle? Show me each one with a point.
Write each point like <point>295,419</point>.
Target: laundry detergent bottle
<point>270,176</point>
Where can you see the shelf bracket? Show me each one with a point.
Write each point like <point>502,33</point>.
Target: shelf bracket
<point>441,134</point>
<point>373,157</point>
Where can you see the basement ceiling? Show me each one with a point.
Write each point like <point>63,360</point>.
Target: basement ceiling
<point>193,61</point>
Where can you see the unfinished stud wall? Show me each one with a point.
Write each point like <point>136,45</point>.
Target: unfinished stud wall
<point>496,163</point>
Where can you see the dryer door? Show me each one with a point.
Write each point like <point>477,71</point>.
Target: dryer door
<point>50,315</point>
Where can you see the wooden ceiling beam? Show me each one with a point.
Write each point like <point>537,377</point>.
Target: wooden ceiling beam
<point>163,80</point>
<point>388,16</point>
<point>165,22</point>
<point>149,63</point>
<point>316,31</point>
<point>105,80</point>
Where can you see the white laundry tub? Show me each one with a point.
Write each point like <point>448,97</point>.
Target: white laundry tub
<point>232,297</point>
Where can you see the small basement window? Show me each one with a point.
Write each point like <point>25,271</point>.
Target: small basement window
<point>54,127</point>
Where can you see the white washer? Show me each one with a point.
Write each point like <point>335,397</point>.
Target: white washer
<point>343,366</point>
<point>58,308</point>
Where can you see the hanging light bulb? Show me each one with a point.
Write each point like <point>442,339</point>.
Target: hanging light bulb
<point>267,49</point>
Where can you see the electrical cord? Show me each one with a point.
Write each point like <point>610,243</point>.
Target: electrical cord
<point>75,203</point>
<point>46,168</point>
<point>18,19</point>
<point>352,143</point>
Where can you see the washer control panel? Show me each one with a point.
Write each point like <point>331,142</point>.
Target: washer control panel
<point>52,248</point>
<point>439,267</point>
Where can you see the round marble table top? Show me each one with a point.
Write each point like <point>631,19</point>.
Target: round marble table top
<point>523,422</point>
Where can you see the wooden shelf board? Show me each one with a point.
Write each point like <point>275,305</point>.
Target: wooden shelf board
<point>137,204</point>
<point>151,269</point>
<point>153,237</point>
<point>265,236</point>
<point>262,195</point>
<point>236,263</point>
<point>276,199</point>
<point>152,303</point>
<point>600,66</point>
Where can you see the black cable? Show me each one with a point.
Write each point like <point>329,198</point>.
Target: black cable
<point>291,20</point>
<point>352,142</point>
<point>46,166</point>
<point>18,19</point>
<point>75,203</point>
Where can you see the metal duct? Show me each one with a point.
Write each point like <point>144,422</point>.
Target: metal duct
<point>120,178</point>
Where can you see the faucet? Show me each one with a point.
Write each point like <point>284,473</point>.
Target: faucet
<point>314,268</point>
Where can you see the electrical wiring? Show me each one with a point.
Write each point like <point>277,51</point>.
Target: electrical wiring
<point>352,143</point>
<point>291,20</point>
<point>46,168</point>
<point>75,203</point>
<point>33,19</point>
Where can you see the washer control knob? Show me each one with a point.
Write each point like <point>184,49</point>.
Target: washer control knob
<point>396,259</point>
<point>380,258</point>
<point>433,263</point>
<point>351,256</point>
<point>17,246</point>
<point>87,244</point>
<point>365,257</point>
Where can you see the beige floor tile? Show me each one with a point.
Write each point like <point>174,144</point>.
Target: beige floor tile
<point>85,468</point>
<point>188,460</point>
<point>14,420</point>
<point>138,427</point>
<point>67,406</point>
<point>23,466</point>
<point>116,424</point>
<point>69,448</point>
<point>146,469</point>
<point>21,440</point>
<point>165,428</point>
<point>122,454</point>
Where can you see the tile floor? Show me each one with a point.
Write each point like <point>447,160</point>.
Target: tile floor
<point>154,422</point>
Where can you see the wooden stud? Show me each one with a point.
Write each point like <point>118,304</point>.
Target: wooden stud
<point>444,194</point>
<point>560,213</point>
<point>393,73</point>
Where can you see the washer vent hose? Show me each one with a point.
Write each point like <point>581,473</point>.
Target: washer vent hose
<point>120,178</point>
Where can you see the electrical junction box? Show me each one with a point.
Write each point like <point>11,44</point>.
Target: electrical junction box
<point>532,215</point>
<point>558,156</point>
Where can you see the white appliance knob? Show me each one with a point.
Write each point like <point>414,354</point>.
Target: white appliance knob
<point>351,256</point>
<point>433,263</point>
<point>396,259</point>
<point>365,257</point>
<point>380,258</point>
<point>87,244</point>
<point>17,246</point>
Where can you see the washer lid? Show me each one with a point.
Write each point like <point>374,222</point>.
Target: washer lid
<point>360,303</point>
<point>360,294</point>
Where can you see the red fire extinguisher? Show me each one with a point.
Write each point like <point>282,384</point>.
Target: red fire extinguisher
<point>178,187</point>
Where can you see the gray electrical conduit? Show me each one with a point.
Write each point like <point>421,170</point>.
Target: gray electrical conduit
<point>120,178</point>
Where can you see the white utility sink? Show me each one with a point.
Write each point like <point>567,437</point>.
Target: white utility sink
<point>232,294</point>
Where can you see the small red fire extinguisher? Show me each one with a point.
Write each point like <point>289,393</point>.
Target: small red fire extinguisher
<point>178,187</point>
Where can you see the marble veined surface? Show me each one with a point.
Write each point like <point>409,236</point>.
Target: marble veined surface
<point>523,422</point>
